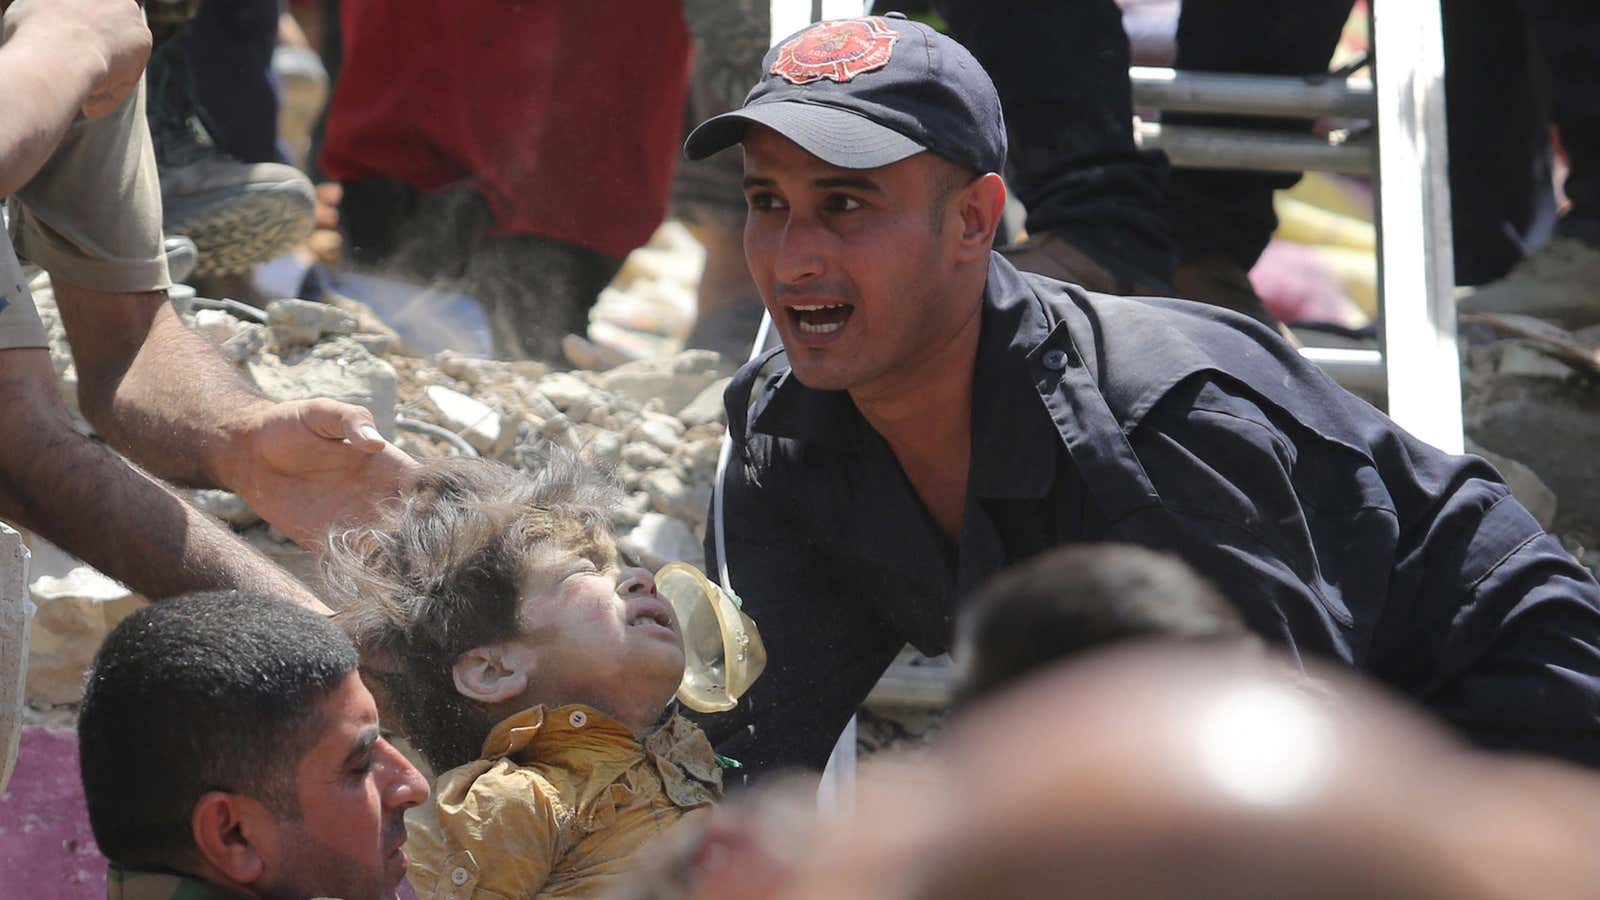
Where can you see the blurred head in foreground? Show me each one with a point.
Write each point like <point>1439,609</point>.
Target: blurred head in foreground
<point>1162,770</point>
<point>1074,599</point>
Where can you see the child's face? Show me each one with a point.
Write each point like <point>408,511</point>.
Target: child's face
<point>596,632</point>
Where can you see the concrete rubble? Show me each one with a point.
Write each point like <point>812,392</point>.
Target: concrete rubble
<point>75,613</point>
<point>1531,406</point>
<point>656,423</point>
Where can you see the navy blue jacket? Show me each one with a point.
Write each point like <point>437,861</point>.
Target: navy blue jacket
<point>1175,426</point>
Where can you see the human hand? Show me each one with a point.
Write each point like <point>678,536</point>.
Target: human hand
<point>306,466</point>
<point>111,36</point>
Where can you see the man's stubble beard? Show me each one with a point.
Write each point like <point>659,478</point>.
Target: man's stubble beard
<point>311,871</point>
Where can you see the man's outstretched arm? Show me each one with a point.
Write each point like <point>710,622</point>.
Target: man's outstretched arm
<point>163,395</point>
<point>81,496</point>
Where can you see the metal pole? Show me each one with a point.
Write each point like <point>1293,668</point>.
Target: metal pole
<point>1200,147</point>
<point>1416,268</point>
<point>1284,96</point>
<point>16,608</point>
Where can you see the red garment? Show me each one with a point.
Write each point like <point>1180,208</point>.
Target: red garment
<point>566,116</point>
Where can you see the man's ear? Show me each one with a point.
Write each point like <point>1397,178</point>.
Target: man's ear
<point>228,830</point>
<point>981,204</point>
<point>487,675</point>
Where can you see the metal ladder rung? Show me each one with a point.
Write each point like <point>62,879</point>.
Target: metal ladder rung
<point>1202,147</point>
<point>1285,96</point>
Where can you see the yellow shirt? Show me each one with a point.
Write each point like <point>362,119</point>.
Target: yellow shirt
<point>560,801</point>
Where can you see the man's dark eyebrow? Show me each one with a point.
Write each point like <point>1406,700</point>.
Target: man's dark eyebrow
<point>363,746</point>
<point>858,182</point>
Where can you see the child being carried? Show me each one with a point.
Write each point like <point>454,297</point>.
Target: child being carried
<point>529,665</point>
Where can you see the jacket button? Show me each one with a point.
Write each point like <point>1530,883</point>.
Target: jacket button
<point>1054,360</point>
<point>458,876</point>
<point>578,718</point>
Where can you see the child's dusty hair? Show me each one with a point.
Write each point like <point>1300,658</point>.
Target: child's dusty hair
<point>439,572</point>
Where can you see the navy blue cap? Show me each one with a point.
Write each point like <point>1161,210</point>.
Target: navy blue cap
<point>863,93</point>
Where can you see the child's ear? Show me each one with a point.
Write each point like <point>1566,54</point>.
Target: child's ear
<point>485,675</point>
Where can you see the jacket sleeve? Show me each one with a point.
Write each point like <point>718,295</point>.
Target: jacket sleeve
<point>1515,618</point>
<point>1355,540</point>
<point>826,644</point>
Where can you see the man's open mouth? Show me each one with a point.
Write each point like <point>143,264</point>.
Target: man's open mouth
<point>821,319</point>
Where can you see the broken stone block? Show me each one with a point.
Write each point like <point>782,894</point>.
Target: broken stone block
<point>376,343</point>
<point>674,380</point>
<point>603,449</point>
<point>339,369</point>
<point>566,390</point>
<point>225,505</point>
<point>559,430</point>
<point>586,354</point>
<point>658,540</point>
<point>16,609</point>
<point>672,496</point>
<point>246,343</point>
<point>300,323</point>
<point>76,612</point>
<point>475,421</point>
<point>706,408</point>
<point>663,431</point>
<point>699,456</point>
<point>216,324</point>
<point>641,455</point>
<point>633,508</point>
<point>477,371</point>
<point>1549,425</point>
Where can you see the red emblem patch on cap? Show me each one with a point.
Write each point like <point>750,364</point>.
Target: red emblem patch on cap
<point>838,51</point>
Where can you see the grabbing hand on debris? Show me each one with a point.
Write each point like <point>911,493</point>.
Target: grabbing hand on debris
<point>312,464</point>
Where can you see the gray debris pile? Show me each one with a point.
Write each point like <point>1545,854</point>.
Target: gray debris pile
<point>1532,408</point>
<point>657,423</point>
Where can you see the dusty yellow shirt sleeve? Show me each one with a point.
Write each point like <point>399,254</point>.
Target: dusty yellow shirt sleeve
<point>493,834</point>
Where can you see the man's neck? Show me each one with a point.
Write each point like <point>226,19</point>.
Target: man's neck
<point>925,415</point>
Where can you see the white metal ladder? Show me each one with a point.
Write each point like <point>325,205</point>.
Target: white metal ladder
<point>1405,102</point>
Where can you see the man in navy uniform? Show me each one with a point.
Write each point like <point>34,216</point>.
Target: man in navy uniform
<point>943,416</point>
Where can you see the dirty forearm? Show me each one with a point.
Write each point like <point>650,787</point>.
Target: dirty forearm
<point>156,390</point>
<point>81,496</point>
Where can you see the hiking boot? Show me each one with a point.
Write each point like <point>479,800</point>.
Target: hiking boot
<point>1557,282</point>
<point>238,214</point>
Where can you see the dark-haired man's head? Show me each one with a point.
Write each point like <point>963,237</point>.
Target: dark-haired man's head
<point>228,737</point>
<point>1076,599</point>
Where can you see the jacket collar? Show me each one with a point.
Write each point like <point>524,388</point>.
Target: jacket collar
<point>542,733</point>
<point>1012,452</point>
<point>134,884</point>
